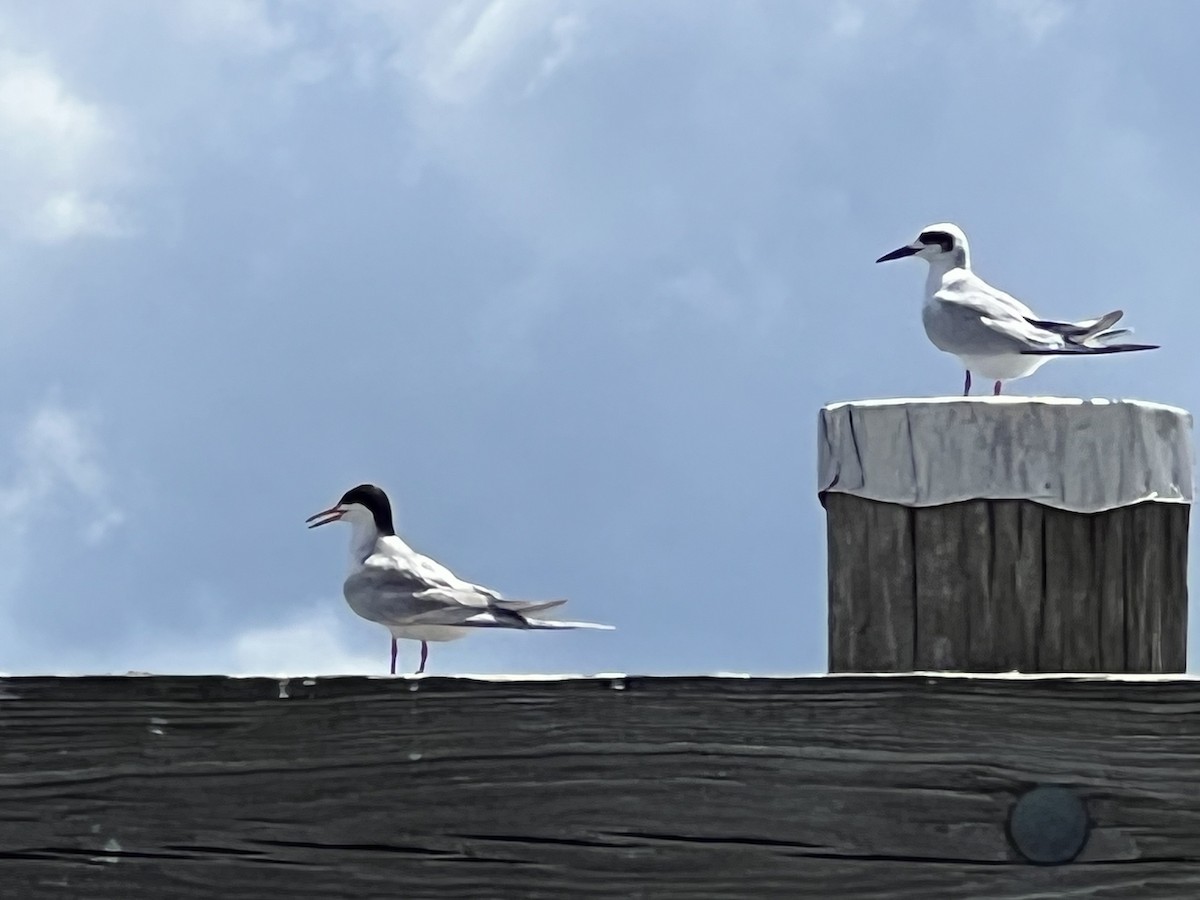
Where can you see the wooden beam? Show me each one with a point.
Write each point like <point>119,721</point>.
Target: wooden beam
<point>884,786</point>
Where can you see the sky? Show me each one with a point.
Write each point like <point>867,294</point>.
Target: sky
<point>570,280</point>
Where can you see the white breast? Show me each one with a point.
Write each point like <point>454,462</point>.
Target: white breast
<point>1003,368</point>
<point>428,632</point>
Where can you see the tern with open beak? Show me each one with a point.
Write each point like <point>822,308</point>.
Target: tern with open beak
<point>413,596</point>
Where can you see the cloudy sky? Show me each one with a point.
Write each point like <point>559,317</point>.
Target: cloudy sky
<point>569,279</point>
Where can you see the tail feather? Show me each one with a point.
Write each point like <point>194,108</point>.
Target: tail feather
<point>501,618</point>
<point>550,625</point>
<point>507,618</point>
<point>1073,349</point>
<point>528,606</point>
<point>1105,336</point>
<point>1079,331</point>
<point>1093,327</point>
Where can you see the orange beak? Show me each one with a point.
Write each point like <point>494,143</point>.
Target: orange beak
<point>325,516</point>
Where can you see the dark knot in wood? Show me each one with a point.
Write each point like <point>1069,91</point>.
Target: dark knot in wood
<point>1048,825</point>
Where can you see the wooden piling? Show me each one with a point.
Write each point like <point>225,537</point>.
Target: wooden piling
<point>1001,534</point>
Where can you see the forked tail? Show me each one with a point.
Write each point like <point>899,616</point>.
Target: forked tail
<point>1082,350</point>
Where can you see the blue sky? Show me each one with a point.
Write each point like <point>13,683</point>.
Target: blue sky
<point>570,280</point>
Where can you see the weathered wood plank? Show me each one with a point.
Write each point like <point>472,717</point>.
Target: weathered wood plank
<point>945,583</point>
<point>1157,620</point>
<point>713,869</point>
<point>982,609</point>
<point>641,787</point>
<point>998,585</point>
<point>1017,583</point>
<point>1111,541</point>
<point>871,610</point>
<point>1073,599</point>
<point>1173,604</point>
<point>1139,615</point>
<point>850,582</point>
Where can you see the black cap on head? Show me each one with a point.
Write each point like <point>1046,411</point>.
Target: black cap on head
<point>941,238</point>
<point>374,499</point>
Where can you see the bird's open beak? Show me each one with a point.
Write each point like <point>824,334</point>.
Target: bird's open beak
<point>325,516</point>
<point>898,253</point>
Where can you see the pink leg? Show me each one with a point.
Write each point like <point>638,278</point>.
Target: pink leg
<point>424,656</point>
<point>967,386</point>
<point>996,390</point>
<point>393,656</point>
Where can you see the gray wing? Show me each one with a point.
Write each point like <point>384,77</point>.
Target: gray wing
<point>440,576</point>
<point>969,316</point>
<point>1024,335</point>
<point>968,301</point>
<point>393,592</point>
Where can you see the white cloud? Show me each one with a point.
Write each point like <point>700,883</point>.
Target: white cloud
<point>1036,18</point>
<point>320,638</point>
<point>316,639</point>
<point>59,157</point>
<point>565,31</point>
<point>749,299</point>
<point>313,643</point>
<point>56,464</point>
<point>68,214</point>
<point>847,19</point>
<point>43,119</point>
<point>242,24</point>
<point>98,530</point>
<point>51,472</point>
<point>466,48</point>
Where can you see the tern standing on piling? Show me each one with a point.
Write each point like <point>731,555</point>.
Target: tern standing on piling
<point>994,334</point>
<point>414,596</point>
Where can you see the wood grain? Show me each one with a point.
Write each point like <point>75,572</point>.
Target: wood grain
<point>1018,590</point>
<point>1003,585</point>
<point>875,624</point>
<point>941,551</point>
<point>870,787</point>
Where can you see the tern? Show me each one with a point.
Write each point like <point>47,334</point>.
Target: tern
<point>413,596</point>
<point>995,334</point>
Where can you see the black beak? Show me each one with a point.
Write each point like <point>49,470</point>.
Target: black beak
<point>898,253</point>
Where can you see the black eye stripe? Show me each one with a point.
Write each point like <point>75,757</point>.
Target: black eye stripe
<point>929,238</point>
